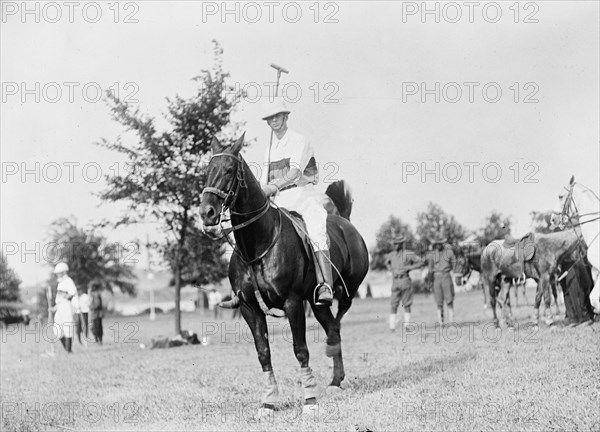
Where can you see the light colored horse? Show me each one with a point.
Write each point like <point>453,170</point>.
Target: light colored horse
<point>579,210</point>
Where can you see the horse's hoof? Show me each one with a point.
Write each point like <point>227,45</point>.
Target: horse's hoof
<point>333,390</point>
<point>332,350</point>
<point>549,321</point>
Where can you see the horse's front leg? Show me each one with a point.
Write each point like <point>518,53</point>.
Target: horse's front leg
<point>294,309</point>
<point>257,322</point>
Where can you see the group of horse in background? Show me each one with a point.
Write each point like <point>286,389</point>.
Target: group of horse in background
<point>569,254</point>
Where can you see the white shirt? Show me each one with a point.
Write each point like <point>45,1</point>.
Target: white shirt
<point>291,151</point>
<point>84,303</point>
<point>66,288</point>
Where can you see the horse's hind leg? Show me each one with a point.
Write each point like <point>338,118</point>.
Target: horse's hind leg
<point>334,346</point>
<point>294,309</point>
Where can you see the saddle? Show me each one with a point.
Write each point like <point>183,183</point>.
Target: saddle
<point>300,227</point>
<point>524,248</point>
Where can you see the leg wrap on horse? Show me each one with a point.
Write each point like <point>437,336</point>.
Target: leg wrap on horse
<point>271,393</point>
<point>309,383</point>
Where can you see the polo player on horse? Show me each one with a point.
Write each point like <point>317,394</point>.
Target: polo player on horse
<point>289,180</point>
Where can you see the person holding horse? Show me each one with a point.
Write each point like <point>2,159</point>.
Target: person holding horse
<point>289,181</point>
<point>442,261</point>
<point>400,262</point>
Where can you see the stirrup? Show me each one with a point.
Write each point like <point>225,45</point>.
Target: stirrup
<point>323,302</point>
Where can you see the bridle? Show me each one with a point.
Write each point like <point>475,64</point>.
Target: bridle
<point>231,195</point>
<point>229,199</point>
<point>567,216</point>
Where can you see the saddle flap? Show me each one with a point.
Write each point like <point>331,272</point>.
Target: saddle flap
<point>524,247</point>
<point>300,227</point>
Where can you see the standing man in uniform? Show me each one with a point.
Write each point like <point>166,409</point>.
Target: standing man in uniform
<point>96,311</point>
<point>442,261</point>
<point>289,181</point>
<point>400,262</point>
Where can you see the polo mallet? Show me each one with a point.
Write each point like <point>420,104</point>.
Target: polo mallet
<point>280,70</point>
<point>50,320</point>
<point>82,324</point>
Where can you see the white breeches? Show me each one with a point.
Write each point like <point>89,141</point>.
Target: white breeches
<point>309,203</point>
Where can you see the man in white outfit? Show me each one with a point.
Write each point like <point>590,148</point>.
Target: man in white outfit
<point>289,180</point>
<point>64,322</point>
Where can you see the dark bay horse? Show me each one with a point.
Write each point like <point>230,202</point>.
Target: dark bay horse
<point>271,268</point>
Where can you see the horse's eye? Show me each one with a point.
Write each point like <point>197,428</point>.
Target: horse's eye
<point>229,170</point>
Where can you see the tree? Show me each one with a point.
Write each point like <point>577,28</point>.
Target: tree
<point>389,230</point>
<point>496,226</point>
<point>167,172</point>
<point>435,222</point>
<point>90,256</point>
<point>9,282</point>
<point>201,263</point>
<point>540,221</point>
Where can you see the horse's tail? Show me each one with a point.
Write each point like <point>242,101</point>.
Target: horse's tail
<point>340,194</point>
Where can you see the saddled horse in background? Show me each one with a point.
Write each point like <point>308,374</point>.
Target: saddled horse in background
<point>536,256</point>
<point>272,269</point>
<point>579,209</point>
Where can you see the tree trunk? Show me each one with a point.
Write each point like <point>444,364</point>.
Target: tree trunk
<point>178,291</point>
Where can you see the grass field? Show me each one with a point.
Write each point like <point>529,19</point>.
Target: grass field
<point>466,377</point>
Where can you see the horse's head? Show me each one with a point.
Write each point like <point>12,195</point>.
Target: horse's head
<point>223,180</point>
<point>562,212</point>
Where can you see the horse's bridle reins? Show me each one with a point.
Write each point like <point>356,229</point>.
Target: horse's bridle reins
<point>229,198</point>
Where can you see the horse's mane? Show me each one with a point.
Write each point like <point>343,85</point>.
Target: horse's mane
<point>340,193</point>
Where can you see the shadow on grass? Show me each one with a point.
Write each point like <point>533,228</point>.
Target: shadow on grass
<point>412,373</point>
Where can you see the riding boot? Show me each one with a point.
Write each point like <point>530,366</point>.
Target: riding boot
<point>392,322</point>
<point>323,290</point>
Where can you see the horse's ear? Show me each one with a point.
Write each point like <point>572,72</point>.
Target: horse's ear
<point>216,146</point>
<point>572,180</point>
<point>235,148</point>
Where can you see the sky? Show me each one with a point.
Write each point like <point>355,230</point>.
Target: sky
<point>489,108</point>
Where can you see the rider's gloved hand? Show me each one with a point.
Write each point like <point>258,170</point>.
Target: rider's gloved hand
<point>270,189</point>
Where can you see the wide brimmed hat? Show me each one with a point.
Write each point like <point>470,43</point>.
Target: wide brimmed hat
<point>274,107</point>
<point>399,240</point>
